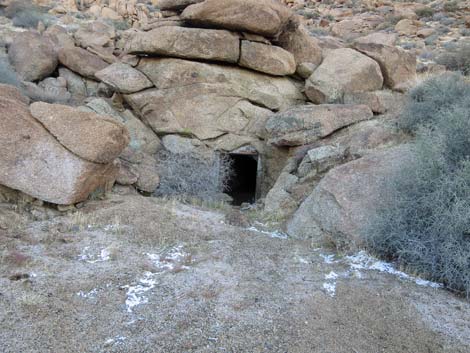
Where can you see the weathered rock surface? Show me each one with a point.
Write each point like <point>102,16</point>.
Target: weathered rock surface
<point>319,159</point>
<point>264,17</point>
<point>406,27</point>
<point>34,162</point>
<point>279,200</point>
<point>59,37</point>
<point>143,139</point>
<point>190,43</point>
<point>305,48</point>
<point>343,71</point>
<point>398,66</point>
<point>308,123</point>
<point>168,5</point>
<point>177,144</point>
<point>96,33</point>
<point>202,110</point>
<point>274,93</point>
<point>124,78</point>
<point>266,58</point>
<point>75,84</point>
<point>81,61</point>
<point>51,90</point>
<point>95,138</point>
<point>378,101</point>
<point>341,203</point>
<point>383,38</point>
<point>11,92</point>
<point>32,56</point>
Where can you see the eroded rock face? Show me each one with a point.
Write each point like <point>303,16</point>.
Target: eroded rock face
<point>274,93</point>
<point>398,66</point>
<point>208,100</point>
<point>308,123</point>
<point>32,56</point>
<point>265,58</point>
<point>343,71</point>
<point>264,17</point>
<point>202,110</point>
<point>98,139</point>
<point>124,78</point>
<point>189,43</point>
<point>341,203</point>
<point>81,61</point>
<point>11,92</point>
<point>34,162</point>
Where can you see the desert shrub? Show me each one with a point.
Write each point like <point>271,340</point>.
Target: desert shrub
<point>120,25</point>
<point>424,12</point>
<point>428,100</point>
<point>456,59</point>
<point>308,14</point>
<point>423,221</point>
<point>465,32</point>
<point>451,6</point>
<point>189,175</point>
<point>7,74</point>
<point>27,15</point>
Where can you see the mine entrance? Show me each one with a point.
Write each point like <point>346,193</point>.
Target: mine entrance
<point>242,185</point>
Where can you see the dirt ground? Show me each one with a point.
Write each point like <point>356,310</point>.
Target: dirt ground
<point>135,274</point>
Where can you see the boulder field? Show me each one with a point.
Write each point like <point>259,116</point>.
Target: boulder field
<point>204,77</point>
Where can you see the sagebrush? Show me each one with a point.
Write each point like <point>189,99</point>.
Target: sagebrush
<point>189,175</point>
<point>456,59</point>
<point>424,219</point>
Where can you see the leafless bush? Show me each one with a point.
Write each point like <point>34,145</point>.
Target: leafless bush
<point>424,221</point>
<point>190,175</point>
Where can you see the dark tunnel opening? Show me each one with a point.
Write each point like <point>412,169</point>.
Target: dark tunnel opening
<point>242,184</point>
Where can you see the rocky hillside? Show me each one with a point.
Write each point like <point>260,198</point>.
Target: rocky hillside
<point>117,116</point>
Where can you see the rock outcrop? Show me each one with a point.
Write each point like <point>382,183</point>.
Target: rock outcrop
<point>263,17</point>
<point>95,138</point>
<point>352,72</point>
<point>208,100</point>
<point>308,123</point>
<point>398,67</point>
<point>124,78</point>
<point>35,162</point>
<point>81,61</point>
<point>340,205</point>
<point>189,43</point>
<point>32,56</point>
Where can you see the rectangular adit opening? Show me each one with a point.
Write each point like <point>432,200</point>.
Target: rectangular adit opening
<point>242,184</point>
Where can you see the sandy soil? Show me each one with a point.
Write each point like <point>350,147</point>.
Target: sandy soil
<point>134,274</point>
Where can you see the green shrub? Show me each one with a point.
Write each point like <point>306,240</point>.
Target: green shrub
<point>456,59</point>
<point>189,175</point>
<point>451,6</point>
<point>424,219</point>
<point>424,12</point>
<point>120,25</point>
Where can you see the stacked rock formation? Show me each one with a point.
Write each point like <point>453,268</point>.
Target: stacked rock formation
<point>230,75</point>
<point>56,153</point>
